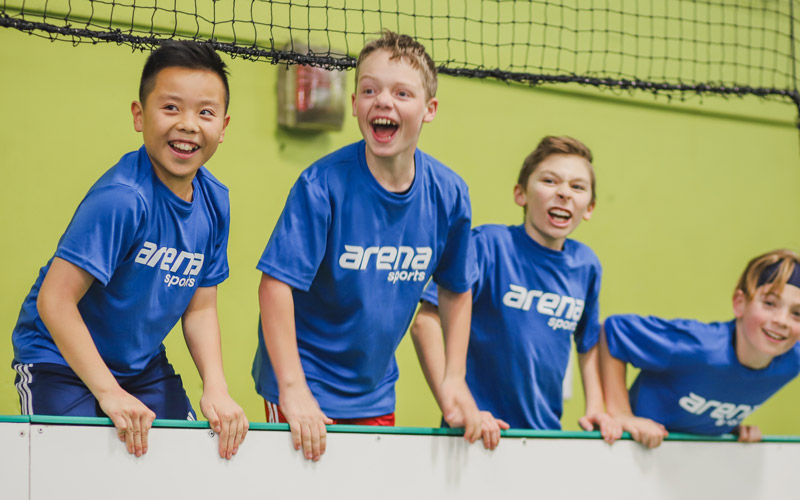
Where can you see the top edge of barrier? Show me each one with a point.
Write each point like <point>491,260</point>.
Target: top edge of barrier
<point>359,429</point>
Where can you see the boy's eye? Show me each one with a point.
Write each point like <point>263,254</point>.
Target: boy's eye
<point>171,107</point>
<point>207,112</point>
<point>549,181</point>
<point>402,93</point>
<point>769,302</point>
<point>368,91</point>
<point>579,187</point>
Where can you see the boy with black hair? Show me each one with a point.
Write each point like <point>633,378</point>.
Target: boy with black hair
<point>146,247</point>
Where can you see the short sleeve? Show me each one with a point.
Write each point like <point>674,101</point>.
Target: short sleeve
<point>457,271</point>
<point>652,343</point>
<point>218,270</point>
<point>103,230</point>
<point>588,331</point>
<point>431,293</point>
<point>298,242</point>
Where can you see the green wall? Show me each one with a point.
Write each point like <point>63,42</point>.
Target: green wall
<point>687,192</point>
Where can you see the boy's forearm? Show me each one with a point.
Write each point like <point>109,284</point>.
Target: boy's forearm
<point>426,332</point>
<point>280,337</point>
<point>589,364</point>
<point>202,334</point>
<point>455,311</point>
<point>612,372</point>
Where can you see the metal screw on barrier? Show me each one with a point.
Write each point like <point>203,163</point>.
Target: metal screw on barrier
<point>41,430</point>
<point>524,441</point>
<point>211,433</point>
<point>21,433</point>
<point>378,439</point>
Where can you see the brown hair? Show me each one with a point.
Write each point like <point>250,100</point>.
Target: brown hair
<point>774,268</point>
<point>552,145</point>
<point>405,47</point>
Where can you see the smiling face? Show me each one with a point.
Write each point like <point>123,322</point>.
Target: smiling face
<point>766,326</point>
<point>557,196</point>
<point>391,105</point>
<point>182,121</point>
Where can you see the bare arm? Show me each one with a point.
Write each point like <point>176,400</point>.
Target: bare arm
<point>595,415</point>
<point>612,372</point>
<point>63,287</point>
<point>426,332</point>
<point>458,406</point>
<point>201,332</point>
<point>306,420</point>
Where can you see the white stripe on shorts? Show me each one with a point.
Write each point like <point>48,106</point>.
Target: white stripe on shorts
<point>272,418</point>
<point>23,388</point>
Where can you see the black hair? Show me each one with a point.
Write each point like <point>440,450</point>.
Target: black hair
<point>182,54</point>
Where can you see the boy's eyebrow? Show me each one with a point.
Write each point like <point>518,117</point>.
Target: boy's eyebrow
<point>180,98</point>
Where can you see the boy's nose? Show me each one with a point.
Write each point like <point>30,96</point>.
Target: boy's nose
<point>383,98</point>
<point>188,123</point>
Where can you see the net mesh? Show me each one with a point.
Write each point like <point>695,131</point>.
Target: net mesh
<point>674,47</point>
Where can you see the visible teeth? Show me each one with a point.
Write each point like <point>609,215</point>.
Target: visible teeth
<point>557,212</point>
<point>383,121</point>
<point>183,146</point>
<point>774,336</point>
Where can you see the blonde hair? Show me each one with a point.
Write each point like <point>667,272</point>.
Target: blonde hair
<point>405,47</point>
<point>774,268</point>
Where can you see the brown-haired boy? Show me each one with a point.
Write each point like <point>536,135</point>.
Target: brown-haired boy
<point>362,231</point>
<point>535,290</point>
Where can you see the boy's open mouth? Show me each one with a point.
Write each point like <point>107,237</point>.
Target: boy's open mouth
<point>183,147</point>
<point>773,336</point>
<point>559,214</point>
<point>383,128</point>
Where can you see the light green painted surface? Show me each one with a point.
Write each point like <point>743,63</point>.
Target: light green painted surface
<point>685,197</point>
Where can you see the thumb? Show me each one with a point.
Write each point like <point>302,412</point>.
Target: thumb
<point>503,424</point>
<point>586,424</point>
<point>213,419</point>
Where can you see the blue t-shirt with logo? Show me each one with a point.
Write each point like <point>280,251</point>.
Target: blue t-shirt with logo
<point>148,251</point>
<point>691,380</point>
<point>358,257</point>
<point>527,303</point>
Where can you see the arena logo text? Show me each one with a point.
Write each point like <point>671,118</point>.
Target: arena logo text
<point>565,311</point>
<point>405,264</point>
<point>170,259</point>
<point>723,413</point>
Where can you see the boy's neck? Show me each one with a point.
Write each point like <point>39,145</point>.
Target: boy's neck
<point>395,174</point>
<point>182,188</point>
<point>747,356</point>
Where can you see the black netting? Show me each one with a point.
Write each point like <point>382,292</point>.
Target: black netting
<point>689,47</point>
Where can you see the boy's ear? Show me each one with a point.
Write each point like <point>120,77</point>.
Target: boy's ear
<point>430,112</point>
<point>224,126</point>
<point>519,196</point>
<point>353,102</point>
<point>589,210</point>
<point>739,301</point>
<point>138,120</point>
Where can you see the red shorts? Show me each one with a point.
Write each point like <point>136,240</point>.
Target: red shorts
<point>275,416</point>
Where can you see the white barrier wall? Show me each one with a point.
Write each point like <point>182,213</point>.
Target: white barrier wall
<point>88,462</point>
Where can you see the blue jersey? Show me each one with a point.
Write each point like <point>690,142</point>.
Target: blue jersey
<point>691,380</point>
<point>527,302</point>
<point>358,258</point>
<point>148,251</point>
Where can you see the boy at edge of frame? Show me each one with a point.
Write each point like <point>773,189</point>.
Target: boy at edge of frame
<point>362,231</point>
<point>145,248</point>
